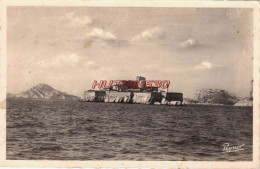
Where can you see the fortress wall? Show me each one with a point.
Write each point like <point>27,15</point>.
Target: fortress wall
<point>147,98</point>
<point>133,97</point>
<point>93,96</point>
<point>88,96</point>
<point>118,97</point>
<point>174,97</point>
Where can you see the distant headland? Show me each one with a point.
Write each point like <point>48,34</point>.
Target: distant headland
<point>43,91</point>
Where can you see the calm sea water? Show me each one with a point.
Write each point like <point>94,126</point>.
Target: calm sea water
<point>71,130</point>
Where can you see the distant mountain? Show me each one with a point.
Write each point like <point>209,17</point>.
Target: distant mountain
<point>43,91</point>
<point>215,96</point>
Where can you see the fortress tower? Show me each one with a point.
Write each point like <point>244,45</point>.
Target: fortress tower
<point>142,80</point>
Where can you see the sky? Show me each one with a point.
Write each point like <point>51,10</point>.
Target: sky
<point>70,47</point>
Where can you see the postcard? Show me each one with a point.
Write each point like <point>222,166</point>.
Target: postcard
<point>139,84</point>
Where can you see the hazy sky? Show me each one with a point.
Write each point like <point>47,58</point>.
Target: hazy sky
<point>68,48</point>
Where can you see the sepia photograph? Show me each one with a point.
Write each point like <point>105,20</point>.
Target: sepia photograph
<point>130,83</point>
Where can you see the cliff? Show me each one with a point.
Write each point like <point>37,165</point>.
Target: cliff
<point>215,96</point>
<point>43,91</point>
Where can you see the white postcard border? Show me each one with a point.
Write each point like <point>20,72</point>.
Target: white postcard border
<point>127,164</point>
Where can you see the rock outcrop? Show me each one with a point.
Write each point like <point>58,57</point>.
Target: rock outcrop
<point>43,91</point>
<point>215,96</point>
<point>244,102</point>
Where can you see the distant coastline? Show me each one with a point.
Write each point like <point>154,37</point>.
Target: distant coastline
<point>202,97</point>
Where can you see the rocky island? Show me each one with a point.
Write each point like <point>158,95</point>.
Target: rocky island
<point>43,91</point>
<point>218,97</point>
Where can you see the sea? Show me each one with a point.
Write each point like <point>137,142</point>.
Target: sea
<point>39,129</point>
